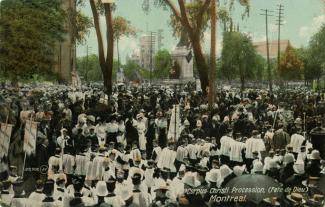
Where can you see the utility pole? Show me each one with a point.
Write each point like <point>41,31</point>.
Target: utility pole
<point>152,42</point>
<point>87,69</point>
<point>266,14</point>
<point>279,23</point>
<point>87,63</point>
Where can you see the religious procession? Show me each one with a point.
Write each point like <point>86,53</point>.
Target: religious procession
<point>162,103</point>
<point>161,146</point>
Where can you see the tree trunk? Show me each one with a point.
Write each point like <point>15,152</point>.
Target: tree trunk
<point>118,55</point>
<point>110,47</point>
<point>194,35</point>
<point>101,55</point>
<point>212,54</point>
<point>106,64</point>
<point>242,85</point>
<point>201,64</point>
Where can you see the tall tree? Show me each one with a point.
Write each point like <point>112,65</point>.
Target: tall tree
<point>212,52</point>
<point>105,61</point>
<point>315,57</point>
<point>291,66</point>
<point>30,30</point>
<point>239,58</point>
<point>89,68</point>
<point>163,64</point>
<point>122,27</point>
<point>193,18</point>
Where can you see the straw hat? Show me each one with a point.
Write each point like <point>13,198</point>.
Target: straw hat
<point>296,198</point>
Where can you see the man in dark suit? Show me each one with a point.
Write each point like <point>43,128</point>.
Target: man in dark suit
<point>43,157</point>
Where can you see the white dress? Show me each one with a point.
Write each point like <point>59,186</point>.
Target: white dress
<point>225,144</point>
<point>141,127</point>
<point>167,159</point>
<point>100,131</point>
<point>296,142</point>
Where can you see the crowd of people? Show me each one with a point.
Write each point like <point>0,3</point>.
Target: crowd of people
<point>95,150</point>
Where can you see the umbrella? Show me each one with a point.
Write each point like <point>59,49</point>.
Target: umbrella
<point>254,187</point>
<point>321,184</point>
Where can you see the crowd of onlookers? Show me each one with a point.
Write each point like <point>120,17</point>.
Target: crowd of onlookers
<point>94,150</point>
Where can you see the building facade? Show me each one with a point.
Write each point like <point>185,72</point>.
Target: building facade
<point>273,48</point>
<point>147,50</point>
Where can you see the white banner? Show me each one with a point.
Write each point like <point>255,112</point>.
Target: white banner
<point>175,124</point>
<point>30,137</point>
<point>5,134</point>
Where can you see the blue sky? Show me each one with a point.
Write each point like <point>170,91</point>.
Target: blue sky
<point>302,18</point>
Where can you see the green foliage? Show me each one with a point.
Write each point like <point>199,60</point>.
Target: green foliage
<point>122,27</point>
<point>314,57</point>
<point>89,68</point>
<point>239,58</point>
<point>30,30</point>
<point>133,71</point>
<point>291,66</point>
<point>80,24</point>
<point>163,64</point>
<point>194,10</point>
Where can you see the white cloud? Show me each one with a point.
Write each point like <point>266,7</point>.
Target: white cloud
<point>308,31</point>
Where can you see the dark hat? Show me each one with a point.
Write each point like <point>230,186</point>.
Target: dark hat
<point>201,169</point>
<point>255,132</point>
<point>48,187</point>
<point>136,178</point>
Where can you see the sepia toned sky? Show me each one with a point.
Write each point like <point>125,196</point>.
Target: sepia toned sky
<point>302,18</point>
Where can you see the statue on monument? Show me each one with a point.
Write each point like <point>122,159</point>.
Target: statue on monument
<point>182,59</point>
<point>184,40</point>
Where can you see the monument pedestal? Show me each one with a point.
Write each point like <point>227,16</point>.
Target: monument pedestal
<point>179,55</point>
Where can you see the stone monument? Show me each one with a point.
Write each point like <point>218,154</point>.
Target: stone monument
<point>182,55</point>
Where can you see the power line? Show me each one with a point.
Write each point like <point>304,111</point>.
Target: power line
<point>267,14</point>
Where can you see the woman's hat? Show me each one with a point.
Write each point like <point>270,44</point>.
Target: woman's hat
<point>213,175</point>
<point>296,198</point>
<point>315,155</point>
<point>288,158</point>
<point>189,179</point>
<point>239,170</point>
